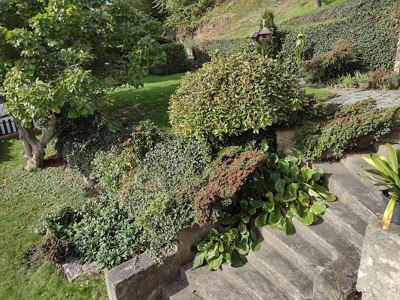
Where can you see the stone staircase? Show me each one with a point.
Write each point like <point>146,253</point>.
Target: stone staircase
<point>318,262</point>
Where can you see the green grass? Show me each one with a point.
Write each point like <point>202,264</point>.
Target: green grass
<point>243,16</point>
<point>24,199</point>
<point>150,101</point>
<point>320,94</point>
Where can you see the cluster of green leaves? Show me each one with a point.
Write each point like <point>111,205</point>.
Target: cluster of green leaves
<point>339,60</point>
<point>350,80</point>
<point>80,140</point>
<point>371,26</point>
<point>379,79</point>
<point>100,231</point>
<point>295,191</point>
<point>183,16</point>
<point>352,127</point>
<point>148,180</point>
<point>176,60</point>
<point>234,242</point>
<point>283,189</point>
<point>235,94</point>
<point>55,54</point>
<point>111,167</point>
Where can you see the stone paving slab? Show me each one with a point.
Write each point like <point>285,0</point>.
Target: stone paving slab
<point>351,96</point>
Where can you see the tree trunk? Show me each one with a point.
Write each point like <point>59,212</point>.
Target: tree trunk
<point>318,3</point>
<point>34,149</point>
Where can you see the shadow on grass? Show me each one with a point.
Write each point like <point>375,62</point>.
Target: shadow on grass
<point>5,151</point>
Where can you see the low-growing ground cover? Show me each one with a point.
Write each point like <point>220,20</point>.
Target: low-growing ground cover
<point>25,198</point>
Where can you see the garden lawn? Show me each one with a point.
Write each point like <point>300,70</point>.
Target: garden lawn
<point>148,102</point>
<point>24,199</point>
<point>321,95</point>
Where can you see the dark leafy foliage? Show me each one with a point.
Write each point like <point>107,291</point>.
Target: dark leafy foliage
<point>176,60</point>
<point>352,127</point>
<point>99,231</point>
<point>203,52</point>
<point>370,25</point>
<point>281,189</point>
<point>339,60</point>
<point>79,140</point>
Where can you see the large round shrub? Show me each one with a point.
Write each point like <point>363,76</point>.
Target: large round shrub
<point>234,94</point>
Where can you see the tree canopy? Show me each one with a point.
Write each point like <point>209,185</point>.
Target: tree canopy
<point>60,54</point>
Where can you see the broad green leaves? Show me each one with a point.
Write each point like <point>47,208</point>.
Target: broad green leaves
<point>291,189</point>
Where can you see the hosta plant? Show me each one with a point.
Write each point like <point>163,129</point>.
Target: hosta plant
<point>284,189</point>
<point>385,173</point>
<point>295,191</point>
<point>233,243</point>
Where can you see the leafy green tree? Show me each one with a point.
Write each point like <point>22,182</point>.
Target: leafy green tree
<point>61,55</point>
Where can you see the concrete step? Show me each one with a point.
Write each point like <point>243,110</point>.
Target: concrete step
<point>329,238</point>
<point>353,164</point>
<point>253,280</point>
<point>351,190</point>
<point>180,290</point>
<point>362,200</point>
<point>344,219</point>
<point>309,257</point>
<point>216,285</point>
<point>286,274</point>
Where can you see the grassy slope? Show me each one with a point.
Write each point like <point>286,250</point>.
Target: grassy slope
<point>238,18</point>
<point>24,199</point>
<point>150,101</point>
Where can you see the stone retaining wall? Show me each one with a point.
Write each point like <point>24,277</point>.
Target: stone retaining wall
<point>142,278</point>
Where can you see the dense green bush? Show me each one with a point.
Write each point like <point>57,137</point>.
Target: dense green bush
<point>379,79</point>
<point>371,26</point>
<point>110,168</point>
<point>176,60</point>
<point>352,127</point>
<point>339,60</point>
<point>203,52</point>
<point>79,140</point>
<point>355,80</point>
<point>235,94</point>
<point>148,184</point>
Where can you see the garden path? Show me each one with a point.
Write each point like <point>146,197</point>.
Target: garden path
<point>351,96</point>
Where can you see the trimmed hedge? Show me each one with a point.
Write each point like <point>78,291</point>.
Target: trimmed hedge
<point>234,95</point>
<point>371,27</point>
<point>176,60</point>
<point>205,51</point>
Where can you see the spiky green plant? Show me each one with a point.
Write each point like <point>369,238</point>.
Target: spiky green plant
<point>385,173</point>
